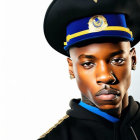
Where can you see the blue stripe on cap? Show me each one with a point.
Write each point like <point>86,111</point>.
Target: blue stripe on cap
<point>99,112</point>
<point>99,35</point>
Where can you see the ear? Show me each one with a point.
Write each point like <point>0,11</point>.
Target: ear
<point>70,64</point>
<point>133,58</point>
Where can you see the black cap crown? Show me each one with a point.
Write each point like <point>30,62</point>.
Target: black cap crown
<point>61,12</point>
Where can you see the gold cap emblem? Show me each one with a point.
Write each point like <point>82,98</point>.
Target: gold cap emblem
<point>95,1</point>
<point>97,23</point>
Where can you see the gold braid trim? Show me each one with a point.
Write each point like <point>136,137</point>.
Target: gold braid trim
<point>59,122</point>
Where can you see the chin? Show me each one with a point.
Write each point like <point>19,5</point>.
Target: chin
<point>108,104</point>
<point>108,107</point>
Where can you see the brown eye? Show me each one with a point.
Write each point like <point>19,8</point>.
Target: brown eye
<point>88,65</point>
<point>118,61</point>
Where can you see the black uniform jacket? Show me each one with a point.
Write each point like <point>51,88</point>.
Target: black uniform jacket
<point>81,124</point>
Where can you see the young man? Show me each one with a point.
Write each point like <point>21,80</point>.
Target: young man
<point>99,38</point>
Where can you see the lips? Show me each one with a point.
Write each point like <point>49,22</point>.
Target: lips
<point>108,94</point>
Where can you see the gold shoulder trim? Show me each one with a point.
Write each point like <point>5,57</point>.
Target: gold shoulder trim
<point>59,122</point>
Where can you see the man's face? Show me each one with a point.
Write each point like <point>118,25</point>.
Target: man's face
<point>103,72</point>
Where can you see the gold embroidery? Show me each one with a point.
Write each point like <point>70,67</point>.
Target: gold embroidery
<point>59,122</point>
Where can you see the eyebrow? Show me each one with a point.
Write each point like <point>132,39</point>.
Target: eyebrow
<point>86,56</point>
<point>93,57</point>
<point>117,53</point>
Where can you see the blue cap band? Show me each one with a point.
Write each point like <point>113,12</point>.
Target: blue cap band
<point>107,25</point>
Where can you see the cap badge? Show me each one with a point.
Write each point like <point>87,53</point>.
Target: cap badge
<point>95,1</point>
<point>97,23</point>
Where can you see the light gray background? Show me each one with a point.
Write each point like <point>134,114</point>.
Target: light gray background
<point>35,86</point>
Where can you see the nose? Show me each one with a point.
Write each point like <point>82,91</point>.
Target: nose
<point>104,74</point>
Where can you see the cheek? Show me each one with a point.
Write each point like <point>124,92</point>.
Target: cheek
<point>85,79</point>
<point>124,76</point>
<point>127,78</point>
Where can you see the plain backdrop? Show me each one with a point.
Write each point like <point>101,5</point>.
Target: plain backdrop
<point>35,88</point>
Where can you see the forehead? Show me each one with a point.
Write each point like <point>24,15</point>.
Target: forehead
<point>100,48</point>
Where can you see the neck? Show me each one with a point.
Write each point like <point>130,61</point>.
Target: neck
<point>87,101</point>
<point>114,112</point>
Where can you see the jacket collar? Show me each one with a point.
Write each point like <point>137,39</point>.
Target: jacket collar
<point>129,116</point>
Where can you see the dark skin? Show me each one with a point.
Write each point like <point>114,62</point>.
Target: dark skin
<point>103,74</point>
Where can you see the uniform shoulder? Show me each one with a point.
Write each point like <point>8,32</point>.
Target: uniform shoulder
<point>57,124</point>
